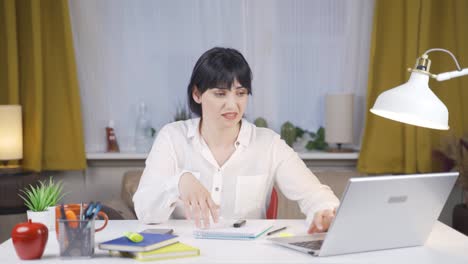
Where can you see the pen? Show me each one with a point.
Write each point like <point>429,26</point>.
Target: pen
<point>239,223</point>
<point>81,211</point>
<point>276,231</point>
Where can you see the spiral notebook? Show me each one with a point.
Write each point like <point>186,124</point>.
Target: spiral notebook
<point>225,230</point>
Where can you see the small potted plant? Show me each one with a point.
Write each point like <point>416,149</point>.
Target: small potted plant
<point>307,140</point>
<point>261,122</point>
<point>41,200</point>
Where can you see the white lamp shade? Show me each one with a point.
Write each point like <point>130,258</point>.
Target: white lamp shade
<point>11,132</point>
<point>339,110</point>
<point>413,103</point>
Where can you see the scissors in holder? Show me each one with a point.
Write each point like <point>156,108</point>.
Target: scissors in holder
<point>92,210</point>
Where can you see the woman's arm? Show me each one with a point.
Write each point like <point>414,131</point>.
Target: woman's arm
<point>158,188</point>
<point>298,183</point>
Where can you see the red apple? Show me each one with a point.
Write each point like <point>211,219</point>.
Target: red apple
<point>29,239</point>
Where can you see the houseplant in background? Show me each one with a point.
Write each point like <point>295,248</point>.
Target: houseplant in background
<point>312,140</point>
<point>260,122</point>
<point>309,140</point>
<point>41,201</point>
<point>453,156</point>
<point>288,133</point>
<point>317,141</point>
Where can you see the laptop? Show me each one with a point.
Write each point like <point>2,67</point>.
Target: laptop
<point>382,212</point>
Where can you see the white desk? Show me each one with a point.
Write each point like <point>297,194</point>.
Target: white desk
<point>444,245</point>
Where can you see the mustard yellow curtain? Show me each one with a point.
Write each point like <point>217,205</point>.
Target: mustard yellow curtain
<point>402,31</point>
<point>38,71</point>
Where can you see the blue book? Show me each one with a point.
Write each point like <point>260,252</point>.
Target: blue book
<point>150,242</point>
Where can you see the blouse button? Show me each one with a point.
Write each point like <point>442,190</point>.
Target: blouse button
<point>237,143</point>
<point>217,189</point>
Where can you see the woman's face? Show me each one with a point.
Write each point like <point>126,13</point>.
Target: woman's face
<point>223,108</point>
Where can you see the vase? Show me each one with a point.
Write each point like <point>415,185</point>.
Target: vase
<point>40,217</point>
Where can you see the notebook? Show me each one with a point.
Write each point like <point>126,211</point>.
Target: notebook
<point>177,250</point>
<point>225,230</point>
<point>150,242</point>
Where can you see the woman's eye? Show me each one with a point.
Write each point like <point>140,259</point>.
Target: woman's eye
<point>220,94</point>
<point>241,93</point>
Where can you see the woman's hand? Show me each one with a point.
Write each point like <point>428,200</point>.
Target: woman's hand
<point>198,204</point>
<point>322,221</point>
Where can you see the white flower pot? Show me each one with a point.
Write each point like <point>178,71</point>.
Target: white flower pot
<point>39,217</point>
<point>51,210</point>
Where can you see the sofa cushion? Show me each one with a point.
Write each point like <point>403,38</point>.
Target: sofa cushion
<point>117,210</point>
<point>129,186</point>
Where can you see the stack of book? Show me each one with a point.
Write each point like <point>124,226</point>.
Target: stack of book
<point>152,247</point>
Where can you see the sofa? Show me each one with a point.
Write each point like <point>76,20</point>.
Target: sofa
<point>335,178</point>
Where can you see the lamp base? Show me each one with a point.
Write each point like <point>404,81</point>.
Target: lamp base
<point>339,149</point>
<point>8,169</point>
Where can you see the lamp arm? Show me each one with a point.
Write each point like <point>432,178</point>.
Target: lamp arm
<point>446,51</point>
<point>449,75</point>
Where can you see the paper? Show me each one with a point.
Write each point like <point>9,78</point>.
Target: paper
<point>225,230</point>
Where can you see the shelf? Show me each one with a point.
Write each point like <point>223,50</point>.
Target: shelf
<point>313,155</point>
<point>115,156</point>
<point>322,155</point>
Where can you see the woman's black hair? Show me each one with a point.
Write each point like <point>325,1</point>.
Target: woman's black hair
<point>218,68</point>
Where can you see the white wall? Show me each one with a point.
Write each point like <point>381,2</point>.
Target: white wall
<point>133,51</point>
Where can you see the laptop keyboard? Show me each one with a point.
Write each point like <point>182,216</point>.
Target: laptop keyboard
<point>315,244</point>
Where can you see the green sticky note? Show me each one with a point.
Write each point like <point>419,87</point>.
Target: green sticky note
<point>284,234</point>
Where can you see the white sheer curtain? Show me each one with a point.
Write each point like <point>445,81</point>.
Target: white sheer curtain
<point>143,51</point>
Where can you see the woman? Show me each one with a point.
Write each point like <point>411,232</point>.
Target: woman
<point>220,164</point>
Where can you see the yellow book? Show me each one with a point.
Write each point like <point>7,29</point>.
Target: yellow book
<point>177,250</point>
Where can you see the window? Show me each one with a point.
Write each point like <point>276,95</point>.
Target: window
<point>143,51</point>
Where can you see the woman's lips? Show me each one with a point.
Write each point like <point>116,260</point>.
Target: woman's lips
<point>230,116</point>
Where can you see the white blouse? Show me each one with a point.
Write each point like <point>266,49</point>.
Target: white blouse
<point>242,186</point>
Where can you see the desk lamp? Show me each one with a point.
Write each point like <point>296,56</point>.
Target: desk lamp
<point>11,134</point>
<point>413,102</point>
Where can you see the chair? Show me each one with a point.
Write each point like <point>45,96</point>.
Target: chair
<point>272,211</point>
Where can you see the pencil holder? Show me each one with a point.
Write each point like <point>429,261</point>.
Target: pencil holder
<point>76,238</point>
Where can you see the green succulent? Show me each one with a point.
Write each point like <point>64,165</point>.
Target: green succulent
<point>261,122</point>
<point>40,197</point>
<point>288,133</point>
<point>318,140</point>
<point>299,132</point>
<point>291,133</point>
